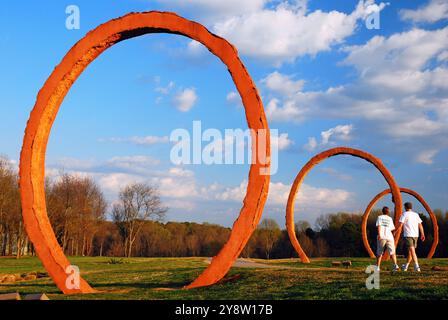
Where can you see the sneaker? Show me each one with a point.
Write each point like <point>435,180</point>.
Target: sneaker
<point>417,269</point>
<point>396,268</point>
<point>404,267</point>
<point>377,269</point>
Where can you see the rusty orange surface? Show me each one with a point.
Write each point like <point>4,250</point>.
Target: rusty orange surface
<point>50,97</point>
<point>315,161</point>
<point>417,196</point>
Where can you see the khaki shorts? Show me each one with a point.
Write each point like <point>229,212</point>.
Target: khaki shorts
<point>411,242</point>
<point>382,244</point>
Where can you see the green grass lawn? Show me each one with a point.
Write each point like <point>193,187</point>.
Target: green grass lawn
<point>148,278</point>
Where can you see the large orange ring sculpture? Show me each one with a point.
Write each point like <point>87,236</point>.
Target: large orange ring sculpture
<point>417,196</point>
<point>316,160</point>
<point>50,97</point>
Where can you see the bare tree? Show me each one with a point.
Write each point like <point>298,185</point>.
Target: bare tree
<point>12,235</point>
<point>251,246</point>
<point>75,206</point>
<point>307,244</point>
<point>137,203</point>
<point>322,248</point>
<point>268,234</point>
<point>301,226</point>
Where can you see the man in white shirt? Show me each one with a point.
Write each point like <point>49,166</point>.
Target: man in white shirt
<point>411,223</point>
<point>385,239</point>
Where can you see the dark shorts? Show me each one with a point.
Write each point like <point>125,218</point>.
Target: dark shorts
<point>411,242</point>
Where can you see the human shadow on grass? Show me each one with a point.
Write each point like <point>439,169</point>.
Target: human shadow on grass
<point>174,285</point>
<point>140,285</point>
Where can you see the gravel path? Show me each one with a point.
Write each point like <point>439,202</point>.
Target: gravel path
<point>247,263</point>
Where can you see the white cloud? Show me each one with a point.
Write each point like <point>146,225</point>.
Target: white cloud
<point>180,189</point>
<point>400,62</point>
<point>234,98</point>
<point>145,140</point>
<point>281,142</point>
<point>185,99</point>
<point>314,197</point>
<point>196,49</point>
<point>181,172</point>
<point>183,205</point>
<point>308,196</point>
<point>426,156</point>
<point>177,187</point>
<point>336,174</point>
<point>209,10</point>
<point>284,111</point>
<point>113,182</point>
<point>443,56</point>
<point>117,172</point>
<point>149,140</point>
<point>278,194</point>
<point>78,164</point>
<point>232,144</point>
<point>230,194</point>
<point>133,162</point>
<point>400,94</point>
<point>433,11</point>
<point>111,173</point>
<point>419,127</point>
<point>282,84</point>
<point>310,201</point>
<point>338,133</point>
<point>167,89</point>
<point>311,145</point>
<point>286,32</point>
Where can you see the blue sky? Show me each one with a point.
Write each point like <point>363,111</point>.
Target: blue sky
<point>325,79</point>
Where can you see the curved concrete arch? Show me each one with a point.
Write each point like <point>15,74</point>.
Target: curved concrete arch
<point>417,196</point>
<point>316,160</point>
<point>50,97</point>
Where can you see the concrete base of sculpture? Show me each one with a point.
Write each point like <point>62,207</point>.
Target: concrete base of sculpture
<point>50,97</point>
<point>315,161</point>
<point>377,198</point>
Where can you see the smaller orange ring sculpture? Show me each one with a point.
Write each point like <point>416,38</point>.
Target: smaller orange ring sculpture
<point>316,160</point>
<point>417,196</point>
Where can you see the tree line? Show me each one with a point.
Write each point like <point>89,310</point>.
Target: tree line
<point>135,226</point>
